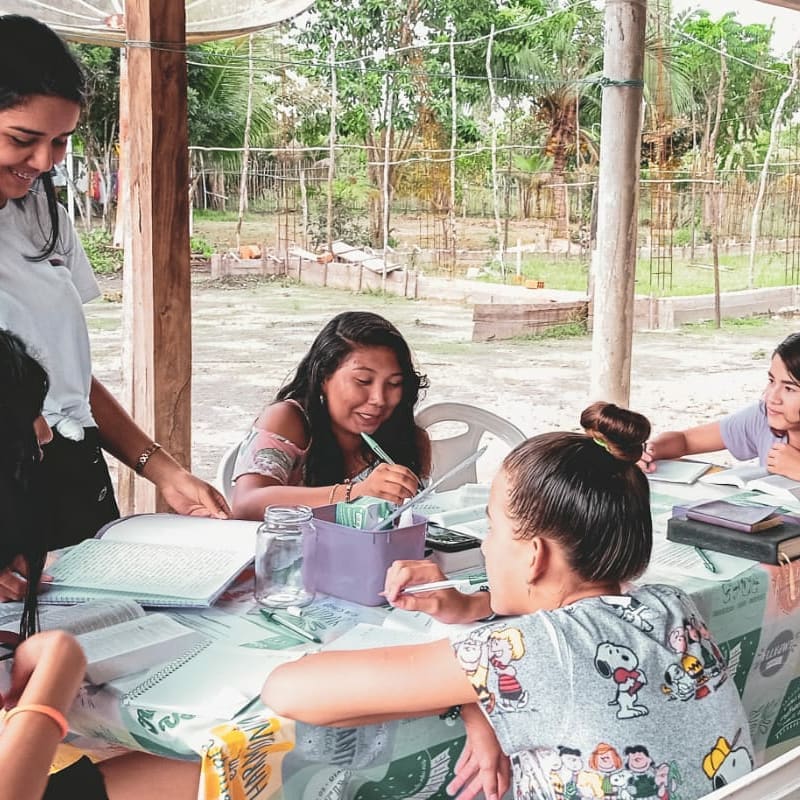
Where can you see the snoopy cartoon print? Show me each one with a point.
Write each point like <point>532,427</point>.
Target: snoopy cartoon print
<point>725,762</point>
<point>619,664</point>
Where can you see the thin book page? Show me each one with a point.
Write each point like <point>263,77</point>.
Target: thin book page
<point>133,568</point>
<point>74,619</point>
<point>183,531</point>
<point>678,470</point>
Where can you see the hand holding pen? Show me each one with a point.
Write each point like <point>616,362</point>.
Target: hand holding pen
<point>389,481</point>
<point>445,604</point>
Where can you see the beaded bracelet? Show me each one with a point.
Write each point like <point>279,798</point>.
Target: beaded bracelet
<point>451,715</point>
<point>348,491</point>
<point>48,711</point>
<point>144,457</point>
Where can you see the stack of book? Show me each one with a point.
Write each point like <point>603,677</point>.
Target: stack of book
<point>756,532</point>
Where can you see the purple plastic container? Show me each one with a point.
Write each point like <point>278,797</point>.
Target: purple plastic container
<point>351,563</point>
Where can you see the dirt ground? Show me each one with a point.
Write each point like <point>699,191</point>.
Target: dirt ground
<point>249,334</point>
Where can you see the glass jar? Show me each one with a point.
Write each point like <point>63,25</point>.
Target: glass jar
<point>279,557</point>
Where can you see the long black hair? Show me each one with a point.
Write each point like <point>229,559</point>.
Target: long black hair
<point>35,61</point>
<point>399,435</point>
<point>585,491</point>
<point>23,386</point>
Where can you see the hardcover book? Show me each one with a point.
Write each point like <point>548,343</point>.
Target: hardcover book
<point>750,519</point>
<point>774,546</point>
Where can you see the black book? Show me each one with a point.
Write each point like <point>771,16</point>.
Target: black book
<point>773,546</point>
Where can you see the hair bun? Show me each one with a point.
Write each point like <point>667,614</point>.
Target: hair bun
<point>621,431</point>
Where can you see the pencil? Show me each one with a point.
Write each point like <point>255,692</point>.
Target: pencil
<point>453,583</point>
<point>288,625</point>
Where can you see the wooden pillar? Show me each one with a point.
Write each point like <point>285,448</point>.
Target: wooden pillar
<point>158,172</point>
<point>614,261</point>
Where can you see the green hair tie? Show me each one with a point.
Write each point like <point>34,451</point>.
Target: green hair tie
<point>603,443</point>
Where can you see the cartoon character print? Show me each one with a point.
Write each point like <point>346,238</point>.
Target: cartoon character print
<point>621,785</point>
<point>605,761</point>
<point>695,670</point>
<point>678,685</point>
<point>725,762</point>
<point>620,664</point>
<point>472,653</point>
<point>606,775</point>
<point>642,781</point>
<point>590,785</point>
<point>631,610</point>
<point>571,766</point>
<point>668,779</point>
<point>713,660</point>
<point>507,645</point>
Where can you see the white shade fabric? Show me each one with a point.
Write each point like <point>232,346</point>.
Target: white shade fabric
<point>101,21</point>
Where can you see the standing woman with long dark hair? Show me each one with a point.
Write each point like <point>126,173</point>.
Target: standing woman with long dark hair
<point>45,278</point>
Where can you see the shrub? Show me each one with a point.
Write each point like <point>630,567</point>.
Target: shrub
<point>104,257</point>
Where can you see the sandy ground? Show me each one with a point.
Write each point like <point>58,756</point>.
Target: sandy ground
<point>249,334</point>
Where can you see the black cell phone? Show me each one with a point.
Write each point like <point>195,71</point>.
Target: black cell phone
<point>450,541</point>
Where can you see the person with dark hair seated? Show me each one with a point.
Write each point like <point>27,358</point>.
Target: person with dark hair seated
<point>306,446</point>
<point>49,667</point>
<point>582,668</point>
<point>768,430</point>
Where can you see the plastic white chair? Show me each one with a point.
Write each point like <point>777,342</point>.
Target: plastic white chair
<point>778,779</point>
<point>224,478</point>
<point>447,452</point>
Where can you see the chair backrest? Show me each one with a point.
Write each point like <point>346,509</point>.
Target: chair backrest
<point>224,478</point>
<point>449,451</point>
<point>778,779</point>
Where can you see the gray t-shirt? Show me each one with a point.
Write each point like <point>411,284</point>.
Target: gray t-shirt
<point>618,697</point>
<point>747,434</point>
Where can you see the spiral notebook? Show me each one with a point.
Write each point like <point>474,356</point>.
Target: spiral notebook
<point>211,680</point>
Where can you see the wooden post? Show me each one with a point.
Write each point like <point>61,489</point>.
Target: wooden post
<point>618,188</point>
<point>159,207</point>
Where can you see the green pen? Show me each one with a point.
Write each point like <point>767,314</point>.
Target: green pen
<point>376,448</point>
<point>288,625</point>
<point>707,562</point>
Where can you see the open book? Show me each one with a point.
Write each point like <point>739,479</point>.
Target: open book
<point>116,636</point>
<point>755,478</point>
<point>156,559</point>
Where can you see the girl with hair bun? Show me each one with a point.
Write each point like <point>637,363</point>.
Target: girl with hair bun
<point>581,662</point>
<point>768,430</point>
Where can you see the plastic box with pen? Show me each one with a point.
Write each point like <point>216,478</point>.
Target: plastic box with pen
<point>351,563</point>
